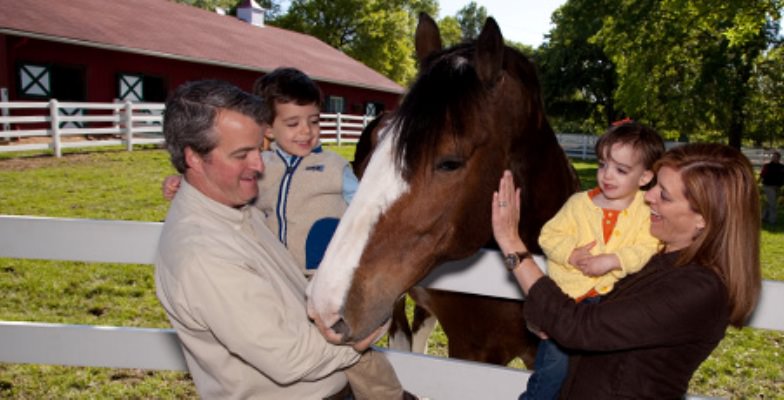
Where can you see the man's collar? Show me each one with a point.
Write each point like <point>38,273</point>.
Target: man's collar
<point>230,214</point>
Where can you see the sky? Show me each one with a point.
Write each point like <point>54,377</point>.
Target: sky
<point>524,21</point>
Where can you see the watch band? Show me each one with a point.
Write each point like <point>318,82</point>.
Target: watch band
<point>513,260</point>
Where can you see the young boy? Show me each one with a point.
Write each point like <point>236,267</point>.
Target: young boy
<point>599,236</point>
<point>304,189</point>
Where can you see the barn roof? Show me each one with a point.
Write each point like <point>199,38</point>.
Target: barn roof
<point>167,29</point>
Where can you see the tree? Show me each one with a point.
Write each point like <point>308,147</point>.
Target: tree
<point>686,65</point>
<point>375,32</point>
<point>451,32</point>
<point>578,78</point>
<point>471,18</point>
<point>333,21</point>
<point>765,109</point>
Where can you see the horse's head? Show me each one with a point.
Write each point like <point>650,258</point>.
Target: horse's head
<point>424,198</point>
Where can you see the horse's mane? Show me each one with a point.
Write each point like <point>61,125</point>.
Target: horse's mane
<point>445,97</point>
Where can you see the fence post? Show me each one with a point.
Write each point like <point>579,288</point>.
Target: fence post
<point>337,127</point>
<point>585,147</point>
<point>128,116</point>
<point>4,112</point>
<point>54,118</point>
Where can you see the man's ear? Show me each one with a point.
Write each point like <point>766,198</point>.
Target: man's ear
<point>193,160</point>
<point>645,178</point>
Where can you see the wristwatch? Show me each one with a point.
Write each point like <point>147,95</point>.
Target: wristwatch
<point>512,260</point>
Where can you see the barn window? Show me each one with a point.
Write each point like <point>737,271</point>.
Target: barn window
<point>373,108</point>
<point>130,87</point>
<point>335,104</point>
<point>34,80</point>
<point>44,81</point>
<point>135,87</point>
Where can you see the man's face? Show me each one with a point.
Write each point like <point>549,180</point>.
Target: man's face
<point>229,173</point>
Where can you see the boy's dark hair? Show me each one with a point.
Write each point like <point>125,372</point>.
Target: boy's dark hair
<point>286,85</point>
<point>189,116</point>
<point>642,138</point>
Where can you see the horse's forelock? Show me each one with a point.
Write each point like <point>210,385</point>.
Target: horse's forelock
<point>443,100</point>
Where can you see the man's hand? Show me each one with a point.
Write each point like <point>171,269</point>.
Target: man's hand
<point>372,338</point>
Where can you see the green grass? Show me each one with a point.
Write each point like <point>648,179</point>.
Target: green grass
<point>112,184</point>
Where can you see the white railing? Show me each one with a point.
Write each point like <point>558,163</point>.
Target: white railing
<point>343,128</point>
<point>582,146</point>
<point>54,125</point>
<point>158,349</point>
<point>59,125</point>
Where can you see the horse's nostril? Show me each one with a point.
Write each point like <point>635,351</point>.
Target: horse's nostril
<point>341,328</point>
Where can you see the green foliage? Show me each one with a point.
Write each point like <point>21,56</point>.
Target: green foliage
<point>686,64</point>
<point>766,101</point>
<point>377,33</point>
<point>451,34</point>
<point>578,78</point>
<point>471,18</point>
<point>691,68</point>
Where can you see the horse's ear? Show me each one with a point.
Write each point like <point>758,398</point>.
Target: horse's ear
<point>490,52</point>
<point>428,38</point>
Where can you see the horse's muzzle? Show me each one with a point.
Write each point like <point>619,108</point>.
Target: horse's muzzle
<point>342,328</point>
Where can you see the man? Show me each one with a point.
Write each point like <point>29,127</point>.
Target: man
<point>232,292</point>
<point>772,177</point>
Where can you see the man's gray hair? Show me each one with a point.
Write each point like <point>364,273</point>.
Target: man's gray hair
<point>189,118</point>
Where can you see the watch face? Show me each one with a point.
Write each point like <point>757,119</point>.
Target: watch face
<point>511,261</point>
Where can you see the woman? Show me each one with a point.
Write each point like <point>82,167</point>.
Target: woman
<point>648,336</point>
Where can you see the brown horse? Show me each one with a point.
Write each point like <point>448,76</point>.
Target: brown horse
<point>424,198</point>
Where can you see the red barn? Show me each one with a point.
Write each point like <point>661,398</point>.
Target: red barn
<point>140,50</point>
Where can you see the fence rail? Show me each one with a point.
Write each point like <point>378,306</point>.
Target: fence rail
<point>135,242</point>
<point>582,146</point>
<point>54,125</point>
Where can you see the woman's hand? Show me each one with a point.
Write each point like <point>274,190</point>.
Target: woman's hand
<point>506,215</point>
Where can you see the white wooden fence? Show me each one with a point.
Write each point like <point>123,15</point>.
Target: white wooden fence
<point>582,146</point>
<point>158,349</point>
<point>66,124</point>
<point>59,125</point>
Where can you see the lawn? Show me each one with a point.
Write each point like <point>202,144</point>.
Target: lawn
<point>121,185</point>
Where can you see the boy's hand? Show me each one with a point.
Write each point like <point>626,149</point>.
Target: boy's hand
<point>170,186</point>
<point>581,253</point>
<point>599,265</point>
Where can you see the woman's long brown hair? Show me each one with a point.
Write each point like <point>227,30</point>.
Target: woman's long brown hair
<point>719,185</point>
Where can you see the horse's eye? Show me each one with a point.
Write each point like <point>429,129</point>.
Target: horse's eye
<point>449,165</point>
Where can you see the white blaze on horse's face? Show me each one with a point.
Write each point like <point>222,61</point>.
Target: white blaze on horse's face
<point>382,184</point>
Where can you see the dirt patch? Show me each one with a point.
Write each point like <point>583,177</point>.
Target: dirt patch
<point>39,160</point>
